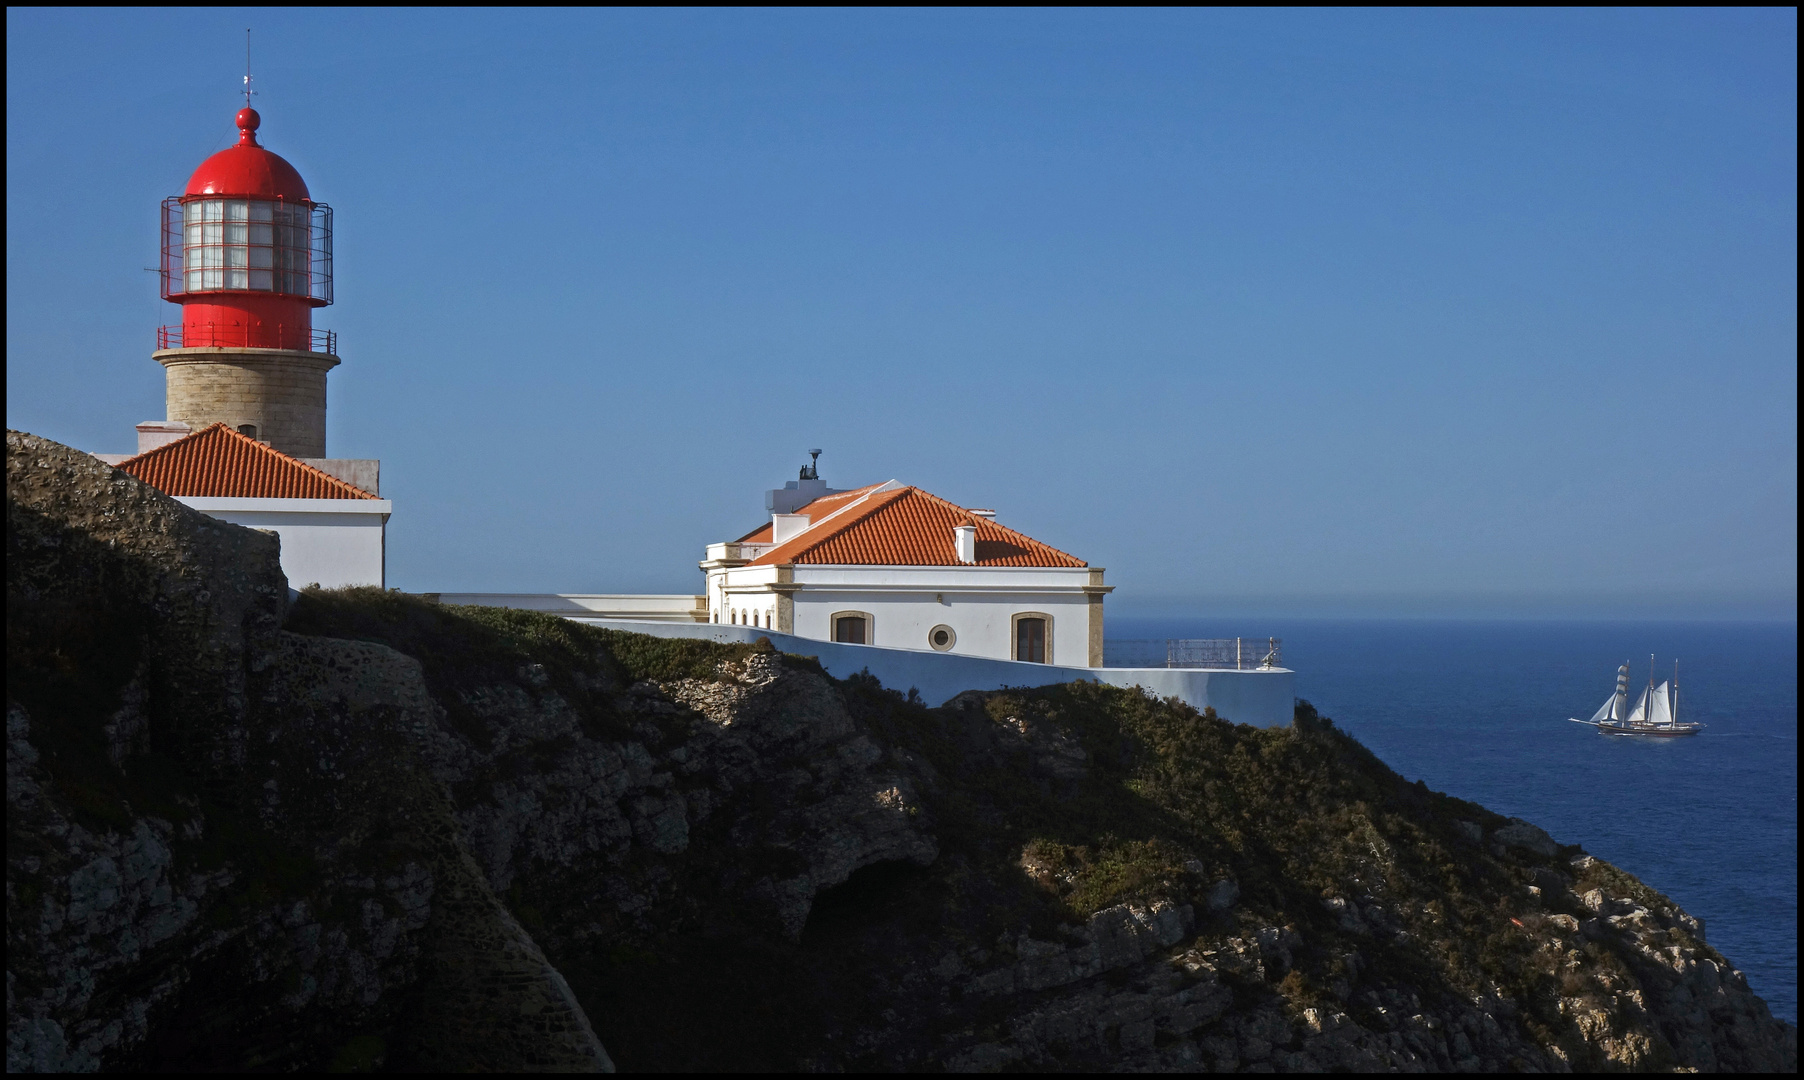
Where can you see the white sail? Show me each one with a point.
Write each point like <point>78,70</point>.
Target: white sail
<point>1638,715</point>
<point>1606,711</point>
<point>1659,709</point>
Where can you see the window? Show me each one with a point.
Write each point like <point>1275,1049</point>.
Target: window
<point>248,429</point>
<point>1030,637</point>
<point>941,638</point>
<point>251,244</point>
<point>852,628</point>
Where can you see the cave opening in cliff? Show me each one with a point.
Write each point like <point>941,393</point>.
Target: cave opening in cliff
<point>870,894</point>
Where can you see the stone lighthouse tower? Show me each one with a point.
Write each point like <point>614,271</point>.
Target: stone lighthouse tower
<point>247,253</point>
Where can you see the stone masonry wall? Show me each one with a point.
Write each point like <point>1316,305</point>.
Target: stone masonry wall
<point>282,392</point>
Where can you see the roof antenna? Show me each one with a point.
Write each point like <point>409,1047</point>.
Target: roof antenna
<point>247,68</point>
<point>812,470</point>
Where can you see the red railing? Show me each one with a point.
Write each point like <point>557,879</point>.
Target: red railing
<point>239,336</point>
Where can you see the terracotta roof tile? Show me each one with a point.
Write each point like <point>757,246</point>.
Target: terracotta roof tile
<point>905,527</point>
<point>217,462</point>
<point>816,511</point>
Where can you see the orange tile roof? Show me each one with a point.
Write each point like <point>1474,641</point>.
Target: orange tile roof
<point>217,462</point>
<point>816,511</point>
<point>902,527</point>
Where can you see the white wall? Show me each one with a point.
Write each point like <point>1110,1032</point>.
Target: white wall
<point>743,593</point>
<point>1261,698</point>
<point>906,602</point>
<point>335,542</point>
<point>651,608</point>
<point>982,622</point>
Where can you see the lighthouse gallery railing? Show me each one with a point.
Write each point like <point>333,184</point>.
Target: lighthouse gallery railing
<point>238,336</point>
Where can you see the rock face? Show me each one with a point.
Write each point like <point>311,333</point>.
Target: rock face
<point>224,845</point>
<point>366,832</point>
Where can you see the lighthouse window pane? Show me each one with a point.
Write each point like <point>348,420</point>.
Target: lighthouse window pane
<point>261,257</point>
<point>237,210</point>
<point>260,280</point>
<point>262,211</point>
<point>261,234</point>
<point>236,255</point>
<point>236,233</point>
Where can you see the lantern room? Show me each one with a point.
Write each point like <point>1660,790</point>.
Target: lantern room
<point>247,253</point>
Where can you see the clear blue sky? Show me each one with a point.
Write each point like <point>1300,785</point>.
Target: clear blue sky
<point>1327,312</point>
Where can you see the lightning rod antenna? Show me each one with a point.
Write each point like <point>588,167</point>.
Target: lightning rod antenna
<point>247,68</point>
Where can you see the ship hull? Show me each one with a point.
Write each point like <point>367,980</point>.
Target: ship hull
<point>1678,731</point>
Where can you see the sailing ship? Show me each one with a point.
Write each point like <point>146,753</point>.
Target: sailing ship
<point>1655,713</point>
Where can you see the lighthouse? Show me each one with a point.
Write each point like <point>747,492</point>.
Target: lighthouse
<point>247,253</point>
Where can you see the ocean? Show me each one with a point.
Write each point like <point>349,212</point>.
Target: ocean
<point>1479,710</point>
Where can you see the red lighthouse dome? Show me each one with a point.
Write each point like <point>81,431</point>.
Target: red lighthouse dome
<point>247,252</point>
<point>248,169</point>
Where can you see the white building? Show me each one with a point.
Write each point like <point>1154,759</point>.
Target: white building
<point>332,531</point>
<point>894,566</point>
<point>922,594</point>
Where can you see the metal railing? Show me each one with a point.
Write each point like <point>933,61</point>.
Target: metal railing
<point>305,251</point>
<point>1230,654</point>
<point>239,336</point>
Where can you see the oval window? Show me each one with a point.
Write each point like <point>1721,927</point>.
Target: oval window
<point>942,638</point>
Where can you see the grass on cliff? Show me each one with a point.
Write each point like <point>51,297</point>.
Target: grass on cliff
<point>472,643</point>
<point>465,649</point>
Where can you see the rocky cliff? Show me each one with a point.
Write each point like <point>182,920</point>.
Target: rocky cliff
<point>363,832</point>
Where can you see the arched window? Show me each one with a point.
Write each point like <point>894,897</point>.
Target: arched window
<point>1033,637</point>
<point>852,627</point>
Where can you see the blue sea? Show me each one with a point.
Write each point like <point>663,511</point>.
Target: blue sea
<point>1479,710</point>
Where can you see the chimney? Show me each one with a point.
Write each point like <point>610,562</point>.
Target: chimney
<point>787,526</point>
<point>155,433</point>
<point>964,541</point>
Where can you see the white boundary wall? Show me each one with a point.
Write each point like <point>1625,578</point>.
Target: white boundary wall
<point>670,607</point>
<point>1261,698</point>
